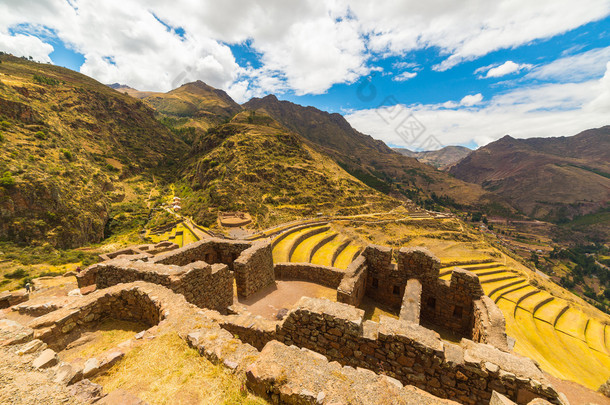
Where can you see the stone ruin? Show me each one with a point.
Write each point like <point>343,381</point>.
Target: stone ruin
<point>308,356</point>
<point>203,271</point>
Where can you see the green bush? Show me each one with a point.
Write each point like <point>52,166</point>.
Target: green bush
<point>17,274</point>
<point>1,137</point>
<point>7,180</point>
<point>67,154</point>
<point>46,80</point>
<point>40,135</point>
<point>5,124</point>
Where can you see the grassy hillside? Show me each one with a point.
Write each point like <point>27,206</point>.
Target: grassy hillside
<point>555,179</point>
<point>193,105</point>
<point>372,161</point>
<point>68,146</point>
<point>254,164</point>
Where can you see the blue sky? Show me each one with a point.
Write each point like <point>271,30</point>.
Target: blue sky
<point>466,76</point>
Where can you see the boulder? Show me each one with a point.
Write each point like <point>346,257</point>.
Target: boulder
<point>120,397</point>
<point>92,367</point>
<point>67,374</point>
<point>48,358</point>
<point>33,346</point>
<point>86,391</point>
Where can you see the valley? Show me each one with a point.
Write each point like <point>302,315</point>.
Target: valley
<point>96,175</point>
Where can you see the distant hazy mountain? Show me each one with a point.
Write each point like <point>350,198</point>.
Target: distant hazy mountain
<point>442,159</point>
<point>550,178</point>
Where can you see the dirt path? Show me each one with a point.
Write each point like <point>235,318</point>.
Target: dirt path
<point>577,394</point>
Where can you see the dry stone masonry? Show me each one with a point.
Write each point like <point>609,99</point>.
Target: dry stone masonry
<point>200,271</point>
<point>308,356</point>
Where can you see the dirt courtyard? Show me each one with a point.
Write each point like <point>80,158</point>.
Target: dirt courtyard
<point>284,294</point>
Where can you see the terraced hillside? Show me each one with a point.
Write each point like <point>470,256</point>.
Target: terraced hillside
<point>318,244</point>
<point>181,234</point>
<point>565,341</point>
<point>255,165</point>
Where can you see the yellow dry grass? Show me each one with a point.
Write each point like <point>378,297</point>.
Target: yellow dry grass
<point>166,370</point>
<point>106,336</point>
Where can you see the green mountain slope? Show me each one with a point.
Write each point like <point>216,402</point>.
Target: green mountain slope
<point>372,160</point>
<point>254,164</point>
<point>68,146</point>
<point>195,105</point>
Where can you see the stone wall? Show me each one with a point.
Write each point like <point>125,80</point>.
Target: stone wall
<point>202,284</point>
<point>58,328</point>
<point>152,305</point>
<point>418,263</point>
<point>353,285</point>
<point>194,270</point>
<point>252,262</point>
<point>324,275</point>
<point>414,355</point>
<point>254,269</point>
<point>213,250</point>
<point>411,302</point>
<point>452,305</point>
<point>289,375</point>
<point>489,324</point>
<point>384,283</point>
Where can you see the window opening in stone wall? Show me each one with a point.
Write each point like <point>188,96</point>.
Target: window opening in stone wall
<point>457,312</point>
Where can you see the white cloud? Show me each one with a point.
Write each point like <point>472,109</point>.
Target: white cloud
<point>504,69</point>
<point>471,99</point>
<point>406,65</point>
<point>466,31</point>
<point>554,109</point>
<point>26,45</point>
<point>574,68</point>
<point>306,46</point>
<point>404,76</point>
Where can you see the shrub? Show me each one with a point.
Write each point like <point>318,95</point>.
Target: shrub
<point>17,274</point>
<point>25,281</point>
<point>7,180</point>
<point>67,154</point>
<point>40,135</point>
<point>5,124</point>
<point>1,137</point>
<point>46,80</point>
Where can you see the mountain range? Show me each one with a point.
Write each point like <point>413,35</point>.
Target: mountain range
<point>442,159</point>
<point>554,178</point>
<point>78,155</point>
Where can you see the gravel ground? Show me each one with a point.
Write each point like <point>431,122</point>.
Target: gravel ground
<point>20,383</point>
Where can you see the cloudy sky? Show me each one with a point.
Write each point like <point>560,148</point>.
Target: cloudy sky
<point>461,72</point>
